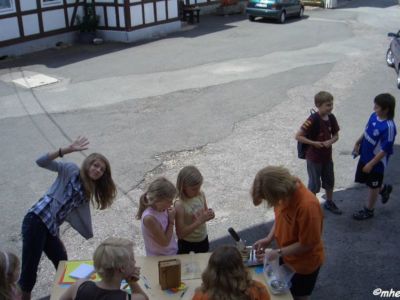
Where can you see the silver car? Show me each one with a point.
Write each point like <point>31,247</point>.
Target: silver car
<point>393,54</point>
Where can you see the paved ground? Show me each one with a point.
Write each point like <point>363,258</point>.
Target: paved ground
<point>226,95</point>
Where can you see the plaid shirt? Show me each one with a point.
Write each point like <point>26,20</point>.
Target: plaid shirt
<point>52,212</point>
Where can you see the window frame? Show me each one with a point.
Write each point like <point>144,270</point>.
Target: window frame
<point>47,3</point>
<point>8,10</point>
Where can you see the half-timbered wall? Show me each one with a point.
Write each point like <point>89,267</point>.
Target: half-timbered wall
<point>45,22</point>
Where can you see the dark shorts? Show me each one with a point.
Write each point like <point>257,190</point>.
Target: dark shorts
<point>320,173</point>
<point>373,179</point>
<point>303,285</point>
<point>185,247</point>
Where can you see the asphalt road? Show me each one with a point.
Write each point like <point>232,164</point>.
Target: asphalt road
<point>226,95</point>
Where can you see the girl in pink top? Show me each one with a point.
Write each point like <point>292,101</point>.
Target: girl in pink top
<point>158,218</point>
<point>9,274</point>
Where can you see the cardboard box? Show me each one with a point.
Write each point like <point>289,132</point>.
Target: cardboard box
<point>169,273</point>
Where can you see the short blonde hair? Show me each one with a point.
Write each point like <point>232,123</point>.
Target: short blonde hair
<point>322,97</point>
<point>112,254</point>
<point>273,184</point>
<point>189,176</point>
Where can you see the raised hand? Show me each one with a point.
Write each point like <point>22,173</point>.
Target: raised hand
<point>81,143</point>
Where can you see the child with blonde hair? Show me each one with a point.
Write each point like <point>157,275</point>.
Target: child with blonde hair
<point>192,212</point>
<point>114,261</point>
<point>226,277</point>
<point>158,218</point>
<point>9,274</point>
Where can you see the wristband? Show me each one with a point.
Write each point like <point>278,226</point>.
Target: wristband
<point>60,153</point>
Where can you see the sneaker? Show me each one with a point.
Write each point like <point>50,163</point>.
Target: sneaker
<point>385,193</point>
<point>363,214</point>
<point>331,206</point>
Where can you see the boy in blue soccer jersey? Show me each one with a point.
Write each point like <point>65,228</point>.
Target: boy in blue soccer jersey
<point>375,147</point>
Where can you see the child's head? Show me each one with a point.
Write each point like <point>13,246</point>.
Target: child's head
<point>95,174</point>
<point>386,103</point>
<point>9,273</point>
<point>159,195</point>
<point>189,182</point>
<point>225,276</point>
<point>322,97</point>
<point>273,184</point>
<point>113,255</point>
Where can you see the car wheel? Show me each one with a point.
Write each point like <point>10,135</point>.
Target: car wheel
<point>301,12</point>
<point>282,17</point>
<point>389,58</point>
<point>252,18</point>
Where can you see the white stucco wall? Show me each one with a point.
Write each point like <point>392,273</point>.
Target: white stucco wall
<point>28,4</point>
<point>161,12</point>
<point>136,15</point>
<point>111,17</point>
<point>31,24</point>
<point>172,9</point>
<point>9,30</point>
<point>148,13</point>
<point>53,19</point>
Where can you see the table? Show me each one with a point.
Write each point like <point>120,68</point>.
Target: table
<point>192,266</point>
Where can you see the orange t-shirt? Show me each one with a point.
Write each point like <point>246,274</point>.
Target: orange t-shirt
<point>300,220</point>
<point>257,291</point>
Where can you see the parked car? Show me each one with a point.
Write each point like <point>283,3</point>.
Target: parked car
<point>274,9</point>
<point>393,54</point>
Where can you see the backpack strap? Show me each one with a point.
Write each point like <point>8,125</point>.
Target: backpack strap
<point>314,131</point>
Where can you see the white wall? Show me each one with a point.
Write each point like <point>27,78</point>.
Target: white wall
<point>28,4</point>
<point>149,13</point>
<point>111,17</point>
<point>172,9</point>
<point>136,15</point>
<point>53,19</point>
<point>12,32</point>
<point>161,12</point>
<point>31,24</point>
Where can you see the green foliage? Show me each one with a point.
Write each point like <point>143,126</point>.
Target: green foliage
<point>89,21</point>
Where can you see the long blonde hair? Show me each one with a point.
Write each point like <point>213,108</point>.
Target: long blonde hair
<point>111,255</point>
<point>159,190</point>
<point>187,177</point>
<point>101,191</point>
<point>273,184</point>
<point>226,277</point>
<point>9,265</point>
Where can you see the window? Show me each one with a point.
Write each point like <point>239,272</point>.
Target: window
<point>6,6</point>
<point>51,2</point>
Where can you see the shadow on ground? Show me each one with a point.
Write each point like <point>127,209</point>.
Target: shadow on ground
<point>367,3</point>
<point>361,256</point>
<point>55,58</point>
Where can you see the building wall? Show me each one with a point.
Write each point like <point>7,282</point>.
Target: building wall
<point>23,21</point>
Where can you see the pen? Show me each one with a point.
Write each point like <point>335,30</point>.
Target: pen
<point>183,293</point>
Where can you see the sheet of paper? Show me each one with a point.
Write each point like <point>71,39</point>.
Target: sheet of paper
<point>83,271</point>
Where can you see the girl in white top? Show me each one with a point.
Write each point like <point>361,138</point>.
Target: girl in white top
<point>192,212</point>
<point>158,218</point>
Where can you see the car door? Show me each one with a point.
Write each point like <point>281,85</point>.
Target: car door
<point>396,50</point>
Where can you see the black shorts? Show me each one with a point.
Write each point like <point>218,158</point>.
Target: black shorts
<point>303,285</point>
<point>185,247</point>
<point>373,179</point>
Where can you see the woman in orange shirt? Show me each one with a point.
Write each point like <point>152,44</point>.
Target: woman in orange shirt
<point>297,229</point>
<point>226,277</point>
